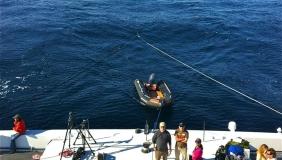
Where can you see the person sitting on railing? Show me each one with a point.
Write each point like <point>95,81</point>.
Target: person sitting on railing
<point>20,128</point>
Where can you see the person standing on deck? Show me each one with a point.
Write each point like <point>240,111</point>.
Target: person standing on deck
<point>162,142</point>
<point>19,128</point>
<point>181,138</point>
<point>198,150</point>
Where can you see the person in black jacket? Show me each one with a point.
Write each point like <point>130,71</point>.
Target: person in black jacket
<point>162,142</point>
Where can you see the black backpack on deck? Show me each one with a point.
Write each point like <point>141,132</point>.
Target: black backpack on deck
<point>220,153</point>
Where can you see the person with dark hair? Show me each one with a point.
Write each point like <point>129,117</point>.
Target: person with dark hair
<point>153,91</point>
<point>162,142</point>
<point>20,128</point>
<point>271,154</point>
<point>181,138</point>
<point>198,150</point>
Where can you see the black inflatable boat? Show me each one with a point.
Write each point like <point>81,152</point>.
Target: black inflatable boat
<point>163,94</point>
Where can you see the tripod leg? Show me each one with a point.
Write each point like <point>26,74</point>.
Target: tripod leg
<point>89,146</point>
<point>85,141</point>
<point>79,132</point>
<point>91,136</point>
<point>64,143</point>
<point>70,136</point>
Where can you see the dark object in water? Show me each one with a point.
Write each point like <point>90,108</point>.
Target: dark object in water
<point>164,97</point>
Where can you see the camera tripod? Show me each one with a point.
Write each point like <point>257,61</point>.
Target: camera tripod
<point>81,129</point>
<point>81,134</point>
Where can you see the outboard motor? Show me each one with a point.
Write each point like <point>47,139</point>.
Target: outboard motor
<point>151,78</point>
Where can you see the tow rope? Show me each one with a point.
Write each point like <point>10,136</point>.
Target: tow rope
<point>203,74</point>
<point>156,122</point>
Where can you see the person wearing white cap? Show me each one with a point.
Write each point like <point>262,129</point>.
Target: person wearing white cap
<point>162,142</point>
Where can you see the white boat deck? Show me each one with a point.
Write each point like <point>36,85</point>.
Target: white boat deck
<point>125,144</point>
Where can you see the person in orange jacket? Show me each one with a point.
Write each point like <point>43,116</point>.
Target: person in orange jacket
<point>19,128</point>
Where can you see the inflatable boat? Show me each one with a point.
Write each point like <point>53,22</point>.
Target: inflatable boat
<point>163,94</point>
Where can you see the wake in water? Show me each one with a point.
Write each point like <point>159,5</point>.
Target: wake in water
<point>7,87</point>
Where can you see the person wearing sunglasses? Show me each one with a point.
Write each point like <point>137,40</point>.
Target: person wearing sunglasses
<point>261,152</point>
<point>181,138</point>
<point>271,154</point>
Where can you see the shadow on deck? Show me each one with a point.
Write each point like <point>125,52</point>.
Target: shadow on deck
<point>18,155</point>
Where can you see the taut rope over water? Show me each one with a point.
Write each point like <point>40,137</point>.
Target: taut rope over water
<point>203,74</point>
<point>157,120</point>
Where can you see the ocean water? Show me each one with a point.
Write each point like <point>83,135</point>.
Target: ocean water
<point>64,56</point>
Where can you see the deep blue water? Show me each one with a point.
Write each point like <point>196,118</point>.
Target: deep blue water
<point>83,56</point>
